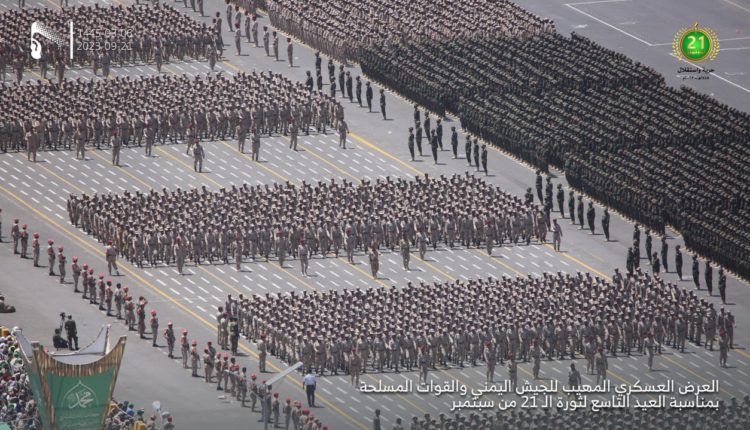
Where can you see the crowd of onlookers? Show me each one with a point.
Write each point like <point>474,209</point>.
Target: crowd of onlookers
<point>18,408</point>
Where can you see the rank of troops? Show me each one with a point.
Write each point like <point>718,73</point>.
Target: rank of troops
<point>103,36</point>
<point>339,28</point>
<point>463,323</point>
<point>732,415</point>
<point>313,219</point>
<point>157,110</point>
<point>475,68</point>
<point>119,302</point>
<point>677,185</point>
<point>250,6</point>
<point>622,135</point>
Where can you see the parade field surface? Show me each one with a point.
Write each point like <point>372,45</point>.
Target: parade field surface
<point>488,277</point>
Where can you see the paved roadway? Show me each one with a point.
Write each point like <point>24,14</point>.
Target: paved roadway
<point>37,194</point>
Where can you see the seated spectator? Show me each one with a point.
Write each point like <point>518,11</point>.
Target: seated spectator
<point>58,341</point>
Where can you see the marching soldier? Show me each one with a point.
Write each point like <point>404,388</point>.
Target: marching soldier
<point>374,261</point>
<point>722,286</point>
<point>650,346</point>
<point>290,51</point>
<point>51,257</point>
<point>601,366</point>
<point>15,234</point>
<point>76,270</point>
<point>154,323</point>
<point>512,372</point>
<point>110,254</point>
<point>255,141</point>
<point>198,156</point>
<point>24,238</point>
<point>303,254</point>
<point>184,348</point>
<point>208,365</point>
<point>194,361</point>
<point>61,260</point>
<point>35,249</point>
<point>170,338</point>
<point>696,272</point>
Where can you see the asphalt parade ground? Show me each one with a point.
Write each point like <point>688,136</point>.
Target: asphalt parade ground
<point>37,194</point>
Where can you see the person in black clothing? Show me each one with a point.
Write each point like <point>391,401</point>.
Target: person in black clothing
<point>539,181</point>
<point>411,142</point>
<point>439,133</point>
<point>454,142</point>
<point>709,275</point>
<point>630,262</point>
<point>358,90</point>
<point>467,148</point>
<point>476,153</point>
<point>349,87</point>
<point>580,211</point>
<point>58,341</point>
<point>368,95</point>
<point>72,332</point>
<point>382,103</point>
<point>331,70</point>
<point>419,140</point>
<point>678,261</point>
<point>484,159</point>
<point>309,82</point>
<point>591,217</point>
<point>696,273</point>
<point>605,223</point>
<point>572,206</point>
<point>434,145</point>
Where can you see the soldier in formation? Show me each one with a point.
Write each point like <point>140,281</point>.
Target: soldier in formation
<point>124,112</point>
<point>215,226</point>
<point>135,33</point>
<point>517,331</point>
<point>328,27</point>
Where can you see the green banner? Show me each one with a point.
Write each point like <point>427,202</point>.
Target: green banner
<point>79,403</point>
<point>73,391</point>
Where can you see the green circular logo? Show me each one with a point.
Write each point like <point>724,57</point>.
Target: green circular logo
<point>696,45</point>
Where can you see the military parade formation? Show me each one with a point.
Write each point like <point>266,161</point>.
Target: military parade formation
<point>161,109</point>
<point>311,220</point>
<point>650,157</point>
<point>490,321</point>
<point>622,136</point>
<point>118,301</point>
<point>103,37</point>
<point>339,28</point>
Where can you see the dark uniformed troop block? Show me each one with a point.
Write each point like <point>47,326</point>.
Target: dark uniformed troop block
<point>437,73</point>
<point>339,27</point>
<point>622,135</point>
